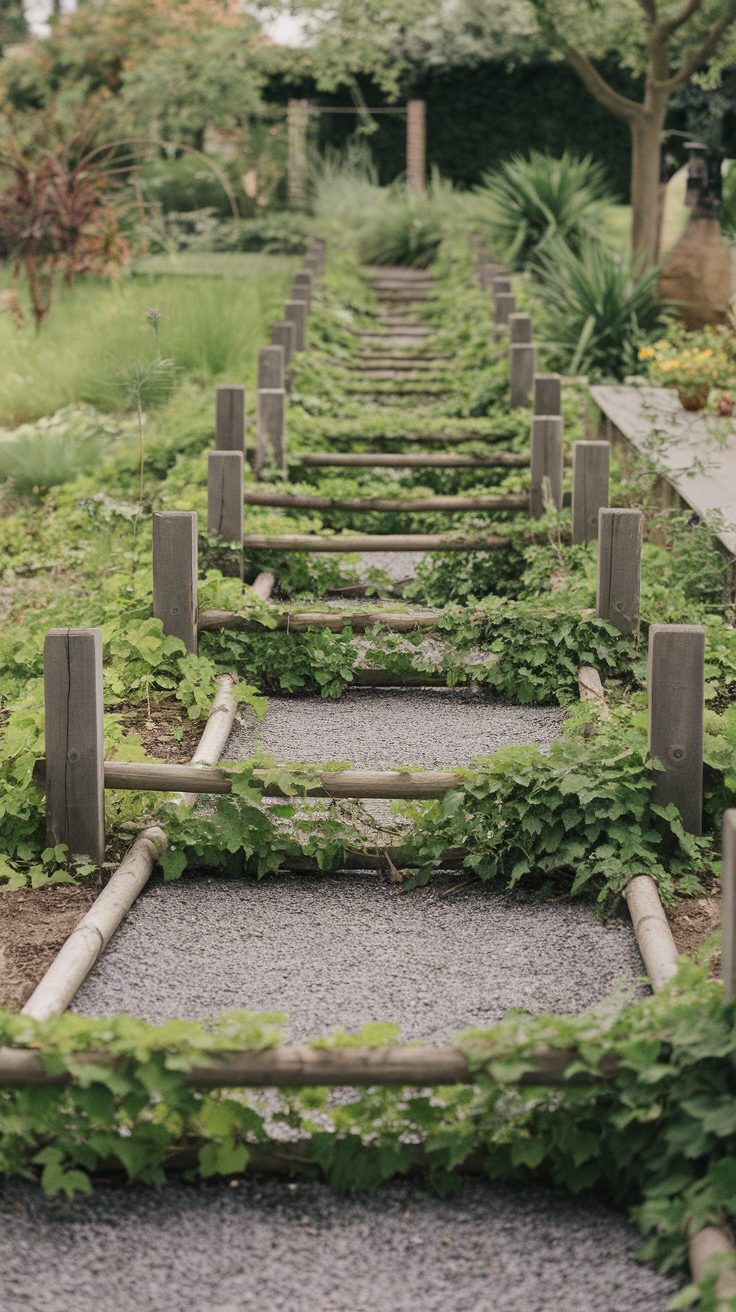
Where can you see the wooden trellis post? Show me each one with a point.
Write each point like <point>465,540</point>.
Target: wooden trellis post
<point>728,907</point>
<point>547,394</point>
<point>295,312</point>
<point>175,574</point>
<point>230,418</point>
<point>619,567</point>
<point>297,120</point>
<point>676,699</point>
<point>271,367</point>
<point>590,464</point>
<point>271,427</point>
<point>225,504</point>
<point>75,790</point>
<point>416,145</point>
<point>546,464</point>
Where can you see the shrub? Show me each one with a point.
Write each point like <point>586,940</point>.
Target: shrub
<point>600,308</point>
<point>54,451</point>
<point>528,203</point>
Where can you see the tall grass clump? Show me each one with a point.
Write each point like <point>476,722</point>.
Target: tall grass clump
<point>44,455</point>
<point>528,203</point>
<point>210,328</point>
<point>600,310</point>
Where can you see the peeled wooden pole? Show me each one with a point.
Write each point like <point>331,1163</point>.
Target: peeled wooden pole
<point>397,460</point>
<point>79,953</point>
<point>297,621</point>
<point>297,1066</point>
<point>373,542</point>
<point>407,505</point>
<point>706,1247</point>
<point>728,906</point>
<point>652,929</point>
<point>445,439</point>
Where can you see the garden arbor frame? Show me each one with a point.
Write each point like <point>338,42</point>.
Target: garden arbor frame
<point>298,121</point>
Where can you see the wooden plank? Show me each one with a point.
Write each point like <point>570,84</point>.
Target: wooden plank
<point>230,418</point>
<point>546,464</point>
<point>547,394</point>
<point>225,503</point>
<point>271,367</point>
<point>728,907</point>
<point>619,567</point>
<point>75,796</point>
<point>676,697</point>
<point>283,334</point>
<point>590,464</point>
<point>695,453</point>
<point>391,460</point>
<point>356,1067</point>
<point>520,329</point>
<point>374,542</point>
<point>406,505</point>
<point>175,574</point>
<point>271,428</point>
<point>522,364</point>
<point>296,312</point>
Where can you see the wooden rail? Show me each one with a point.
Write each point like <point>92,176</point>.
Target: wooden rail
<point>409,460</point>
<point>297,621</point>
<point>406,505</point>
<point>373,542</point>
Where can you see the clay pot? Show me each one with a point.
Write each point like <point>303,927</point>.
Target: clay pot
<point>694,398</point>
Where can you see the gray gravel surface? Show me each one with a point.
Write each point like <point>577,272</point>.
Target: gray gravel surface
<point>339,951</point>
<point>276,1247</point>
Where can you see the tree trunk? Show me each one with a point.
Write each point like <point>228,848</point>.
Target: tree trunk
<point>646,133</point>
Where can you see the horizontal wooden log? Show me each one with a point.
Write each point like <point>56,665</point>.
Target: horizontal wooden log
<point>296,621</point>
<point>405,505</point>
<point>299,1066</point>
<point>152,777</point>
<point>445,439</point>
<point>409,460</point>
<point>373,542</point>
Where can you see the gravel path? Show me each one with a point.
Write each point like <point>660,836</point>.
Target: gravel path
<point>275,1247</point>
<point>338,951</point>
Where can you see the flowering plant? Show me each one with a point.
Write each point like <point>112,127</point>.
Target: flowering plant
<point>693,362</point>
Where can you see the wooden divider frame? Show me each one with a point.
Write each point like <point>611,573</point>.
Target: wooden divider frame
<point>546,464</point>
<point>75,790</point>
<point>676,706</point>
<point>590,488</point>
<point>619,567</point>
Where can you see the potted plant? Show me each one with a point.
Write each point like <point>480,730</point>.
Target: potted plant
<point>692,363</point>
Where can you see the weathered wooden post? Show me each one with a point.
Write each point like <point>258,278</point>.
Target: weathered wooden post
<point>676,697</point>
<point>230,418</point>
<point>296,168</point>
<point>619,567</point>
<point>547,394</point>
<point>546,464</point>
<point>283,334</point>
<point>301,289</point>
<point>271,367</point>
<point>504,306</point>
<point>175,574</point>
<point>500,285</point>
<point>271,428</point>
<point>520,329</point>
<point>522,363</point>
<point>416,145</point>
<point>295,312</point>
<point>75,789</point>
<point>728,907</point>
<point>590,464</point>
<point>225,505</point>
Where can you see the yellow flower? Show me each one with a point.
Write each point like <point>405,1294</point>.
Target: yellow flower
<point>646,352</point>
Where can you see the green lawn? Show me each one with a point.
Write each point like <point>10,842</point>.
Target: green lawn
<point>96,335</point>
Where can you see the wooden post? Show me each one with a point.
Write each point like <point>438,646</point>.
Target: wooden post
<point>520,329</point>
<point>271,428</point>
<point>547,394</point>
<point>504,306</point>
<point>283,334</point>
<point>271,367</point>
<point>500,285</point>
<point>175,574</point>
<point>296,312</point>
<point>523,359</point>
<point>297,119</point>
<point>728,907</point>
<point>302,288</point>
<point>619,567</point>
<point>75,755</point>
<point>590,461</point>
<point>416,145</point>
<point>546,464</point>
<point>230,418</point>
<point>676,696</point>
<point>225,505</point>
